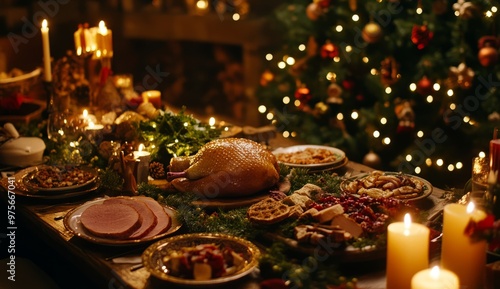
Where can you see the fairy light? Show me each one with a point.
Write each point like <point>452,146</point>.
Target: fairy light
<point>420,134</point>
<point>355,17</point>
<point>236,17</point>
<point>386,140</point>
<point>388,90</point>
<point>459,165</point>
<point>262,108</point>
<point>331,75</point>
<point>482,154</point>
<point>419,10</point>
<point>186,124</point>
<point>293,134</point>
<point>269,57</point>
<point>451,167</point>
<point>383,120</point>
<point>336,59</point>
<point>418,170</point>
<point>453,106</point>
<point>339,28</point>
<point>457,13</point>
<point>286,100</point>
<point>429,99</point>
<point>449,92</point>
<point>340,116</point>
<point>270,115</point>
<point>439,162</point>
<point>428,162</point>
<point>348,48</point>
<point>302,47</point>
<point>436,86</point>
<point>413,86</point>
<point>202,4</point>
<point>466,119</point>
<point>286,134</point>
<point>494,9</point>
<point>354,115</point>
<point>290,60</point>
<point>408,158</point>
<point>373,71</point>
<point>376,134</point>
<point>366,59</point>
<point>296,103</point>
<point>281,65</point>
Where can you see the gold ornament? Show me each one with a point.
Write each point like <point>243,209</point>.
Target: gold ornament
<point>372,32</point>
<point>488,50</point>
<point>461,76</point>
<point>313,11</point>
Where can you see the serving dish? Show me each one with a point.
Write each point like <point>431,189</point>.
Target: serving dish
<point>426,190</point>
<point>29,179</point>
<point>22,191</point>
<point>72,223</point>
<point>153,257</point>
<point>340,156</point>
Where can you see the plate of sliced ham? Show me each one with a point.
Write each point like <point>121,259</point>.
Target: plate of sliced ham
<point>122,220</point>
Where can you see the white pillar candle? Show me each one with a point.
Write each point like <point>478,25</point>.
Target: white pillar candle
<point>460,254</point>
<point>435,278</point>
<point>47,69</point>
<point>152,96</point>
<point>407,252</point>
<point>104,41</point>
<point>143,158</point>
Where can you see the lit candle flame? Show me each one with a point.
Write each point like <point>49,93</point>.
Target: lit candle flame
<point>85,113</point>
<point>407,222</point>
<point>91,124</point>
<point>141,147</point>
<point>44,23</point>
<point>470,207</point>
<point>435,272</point>
<point>102,28</point>
<point>211,121</point>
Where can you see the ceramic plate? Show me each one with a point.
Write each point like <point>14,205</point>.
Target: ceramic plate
<point>72,223</point>
<point>34,188</point>
<point>22,191</point>
<point>153,257</point>
<point>339,156</point>
<point>424,193</point>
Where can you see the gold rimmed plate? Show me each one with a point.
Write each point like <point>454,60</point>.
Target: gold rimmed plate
<point>29,179</point>
<point>337,156</point>
<point>426,190</point>
<point>154,257</point>
<point>72,223</point>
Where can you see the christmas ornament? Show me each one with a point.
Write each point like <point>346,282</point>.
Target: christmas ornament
<point>372,160</point>
<point>424,86</point>
<point>488,50</point>
<point>406,116</point>
<point>464,9</point>
<point>461,76</point>
<point>320,108</point>
<point>324,4</point>
<point>329,50</point>
<point>389,71</point>
<point>372,32</point>
<point>303,94</point>
<point>313,11</point>
<point>312,47</point>
<point>266,77</point>
<point>348,84</point>
<point>334,91</point>
<point>421,36</point>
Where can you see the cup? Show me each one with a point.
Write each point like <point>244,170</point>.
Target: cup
<point>480,171</point>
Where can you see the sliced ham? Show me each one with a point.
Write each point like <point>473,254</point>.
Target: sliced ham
<point>164,221</point>
<point>149,219</point>
<point>111,220</point>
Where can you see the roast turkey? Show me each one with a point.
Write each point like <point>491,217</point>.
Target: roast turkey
<point>228,167</point>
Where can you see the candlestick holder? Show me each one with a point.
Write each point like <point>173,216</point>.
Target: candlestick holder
<point>48,88</point>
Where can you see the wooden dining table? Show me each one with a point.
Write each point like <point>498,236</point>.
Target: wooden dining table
<point>45,220</point>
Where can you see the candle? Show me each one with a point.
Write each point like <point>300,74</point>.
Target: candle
<point>435,278</point>
<point>87,118</point>
<point>495,158</point>
<point>152,96</point>
<point>104,42</point>
<point>143,158</point>
<point>407,252</point>
<point>47,70</point>
<point>94,127</point>
<point>460,254</point>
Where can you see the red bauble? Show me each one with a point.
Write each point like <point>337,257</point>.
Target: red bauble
<point>323,3</point>
<point>329,50</point>
<point>303,94</point>
<point>313,11</point>
<point>424,86</point>
<point>421,36</point>
<point>488,56</point>
<point>348,84</point>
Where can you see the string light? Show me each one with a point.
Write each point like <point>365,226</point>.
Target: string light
<point>339,28</point>
<point>439,162</point>
<point>466,119</point>
<point>453,106</point>
<point>418,170</point>
<point>436,86</point>
<point>459,165</point>
<point>340,116</point>
<point>413,86</point>
<point>270,116</point>
<point>366,59</point>
<point>302,47</point>
<point>376,134</point>
<point>373,71</point>
<point>293,134</point>
<point>428,162</point>
<point>388,90</point>
<point>451,167</point>
<point>348,48</point>
<point>331,75</point>
<point>354,115</point>
<point>383,120</point>
<point>408,158</point>
<point>420,134</point>
<point>355,17</point>
<point>290,60</point>
<point>429,99</point>
<point>286,100</point>
<point>336,59</point>
<point>281,65</point>
<point>236,16</point>
<point>482,154</point>
<point>296,103</point>
<point>387,140</point>
<point>286,134</point>
<point>262,108</point>
<point>450,92</point>
<point>269,57</point>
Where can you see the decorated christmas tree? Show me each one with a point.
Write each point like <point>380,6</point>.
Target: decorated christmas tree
<point>402,85</point>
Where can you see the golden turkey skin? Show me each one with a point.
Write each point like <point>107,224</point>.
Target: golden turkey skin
<point>229,167</point>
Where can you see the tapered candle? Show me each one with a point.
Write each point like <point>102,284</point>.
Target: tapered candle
<point>435,278</point>
<point>460,254</point>
<point>407,252</point>
<point>47,70</point>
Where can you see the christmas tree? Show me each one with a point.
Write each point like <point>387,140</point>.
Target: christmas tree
<point>401,85</point>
